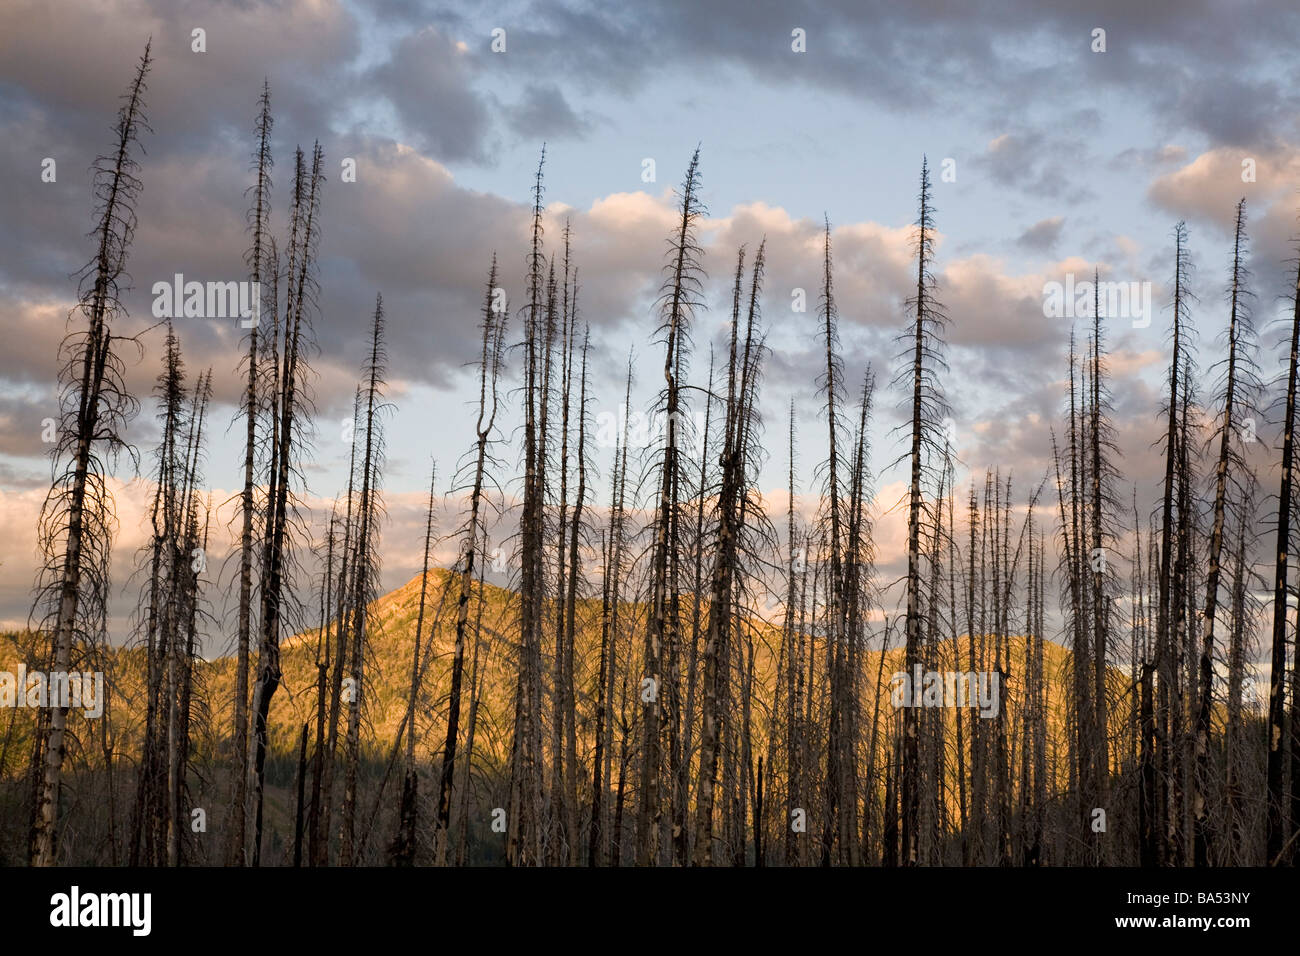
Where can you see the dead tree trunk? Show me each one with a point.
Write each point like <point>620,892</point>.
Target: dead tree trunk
<point>679,298</point>
<point>288,441</point>
<point>95,408</point>
<point>366,574</point>
<point>1205,682</point>
<point>919,379</point>
<point>1277,812</point>
<point>259,216</point>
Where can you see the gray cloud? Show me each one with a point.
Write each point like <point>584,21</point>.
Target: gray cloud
<point>904,56</point>
<point>1032,161</point>
<point>427,82</point>
<point>1043,235</point>
<point>544,114</point>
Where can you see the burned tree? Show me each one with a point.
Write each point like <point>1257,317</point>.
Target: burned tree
<point>289,436</point>
<point>678,301</point>
<point>259,225</point>
<point>473,537</point>
<point>926,409</point>
<point>1239,388</point>
<point>76,521</point>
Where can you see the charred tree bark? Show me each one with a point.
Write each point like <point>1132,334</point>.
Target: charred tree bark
<point>1205,682</point>
<point>1277,820</point>
<point>678,301</point>
<point>95,408</point>
<point>259,215</point>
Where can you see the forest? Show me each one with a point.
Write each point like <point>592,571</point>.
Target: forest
<point>678,673</point>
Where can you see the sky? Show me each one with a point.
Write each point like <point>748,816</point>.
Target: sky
<point>1054,150</point>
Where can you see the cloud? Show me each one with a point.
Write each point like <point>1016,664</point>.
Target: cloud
<point>1156,158</point>
<point>1031,161</point>
<point>1230,108</point>
<point>1206,191</point>
<point>1208,188</point>
<point>96,44</point>
<point>545,114</point>
<point>909,56</point>
<point>1043,235</point>
<point>427,81</point>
